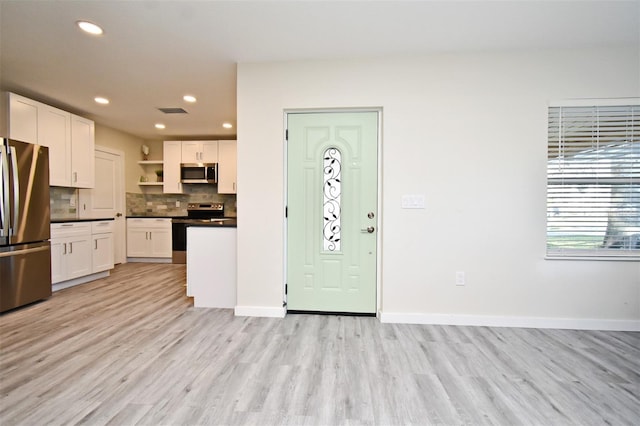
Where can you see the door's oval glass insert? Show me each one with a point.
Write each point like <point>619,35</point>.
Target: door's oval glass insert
<point>331,189</point>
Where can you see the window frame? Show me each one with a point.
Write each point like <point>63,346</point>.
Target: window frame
<point>601,253</point>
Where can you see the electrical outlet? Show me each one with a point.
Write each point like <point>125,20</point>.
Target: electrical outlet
<point>177,203</point>
<point>460,278</point>
<point>72,201</point>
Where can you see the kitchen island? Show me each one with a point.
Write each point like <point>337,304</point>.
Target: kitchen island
<point>211,264</point>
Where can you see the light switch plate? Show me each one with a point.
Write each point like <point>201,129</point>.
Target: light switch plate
<point>413,201</point>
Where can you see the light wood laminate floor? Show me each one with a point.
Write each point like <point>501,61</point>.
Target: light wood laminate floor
<point>130,349</point>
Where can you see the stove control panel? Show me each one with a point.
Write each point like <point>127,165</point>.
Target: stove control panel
<point>216,207</point>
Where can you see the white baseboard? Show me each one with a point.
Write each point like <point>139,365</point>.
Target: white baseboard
<point>81,280</point>
<point>149,259</point>
<point>259,311</point>
<point>521,322</point>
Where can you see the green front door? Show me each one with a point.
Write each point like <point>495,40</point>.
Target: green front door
<point>332,203</point>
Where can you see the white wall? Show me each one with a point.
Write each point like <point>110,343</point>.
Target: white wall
<point>469,132</point>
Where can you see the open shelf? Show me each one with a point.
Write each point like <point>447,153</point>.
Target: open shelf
<point>145,166</point>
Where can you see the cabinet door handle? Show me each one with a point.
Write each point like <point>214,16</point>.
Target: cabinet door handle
<point>96,242</point>
<point>65,248</point>
<point>70,248</point>
<point>75,176</point>
<point>150,235</point>
<point>234,186</point>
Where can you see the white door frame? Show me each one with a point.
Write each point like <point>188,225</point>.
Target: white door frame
<point>380,230</point>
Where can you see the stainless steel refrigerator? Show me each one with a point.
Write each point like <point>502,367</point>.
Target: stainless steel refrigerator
<point>25,249</point>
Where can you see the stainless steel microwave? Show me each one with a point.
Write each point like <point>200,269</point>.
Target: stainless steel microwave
<point>198,173</point>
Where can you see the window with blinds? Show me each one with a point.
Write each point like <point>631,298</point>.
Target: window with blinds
<point>593,181</point>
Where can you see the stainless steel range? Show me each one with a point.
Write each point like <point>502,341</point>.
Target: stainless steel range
<point>196,213</point>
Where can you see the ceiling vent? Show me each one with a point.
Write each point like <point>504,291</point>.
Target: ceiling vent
<point>173,110</point>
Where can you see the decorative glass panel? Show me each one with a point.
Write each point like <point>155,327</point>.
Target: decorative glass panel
<point>332,168</point>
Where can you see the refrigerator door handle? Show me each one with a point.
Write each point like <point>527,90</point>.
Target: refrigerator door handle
<point>4,193</point>
<point>23,251</point>
<point>16,189</point>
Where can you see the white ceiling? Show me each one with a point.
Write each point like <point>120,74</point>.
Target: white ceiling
<point>154,52</point>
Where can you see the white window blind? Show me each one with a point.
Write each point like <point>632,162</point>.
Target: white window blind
<point>593,181</point>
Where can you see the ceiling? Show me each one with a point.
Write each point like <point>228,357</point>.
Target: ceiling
<point>154,52</point>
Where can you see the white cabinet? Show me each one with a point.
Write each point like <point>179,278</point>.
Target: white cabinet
<point>172,157</point>
<point>23,118</point>
<point>149,238</point>
<point>200,151</point>
<point>227,167</point>
<point>70,138</point>
<point>222,152</point>
<point>102,250</point>
<point>82,152</point>
<point>70,251</point>
<point>34,122</point>
<point>54,131</point>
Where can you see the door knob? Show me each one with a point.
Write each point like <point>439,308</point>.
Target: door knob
<point>118,214</point>
<point>368,229</point>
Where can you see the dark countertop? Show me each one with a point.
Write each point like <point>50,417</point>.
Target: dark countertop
<point>80,220</point>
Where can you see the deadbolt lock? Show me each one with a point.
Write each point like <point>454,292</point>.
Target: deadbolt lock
<point>370,215</point>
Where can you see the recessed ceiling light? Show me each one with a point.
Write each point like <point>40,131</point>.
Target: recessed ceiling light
<point>227,125</point>
<point>160,126</point>
<point>101,100</point>
<point>189,98</point>
<point>90,27</point>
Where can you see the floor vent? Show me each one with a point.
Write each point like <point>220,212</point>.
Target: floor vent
<point>173,110</point>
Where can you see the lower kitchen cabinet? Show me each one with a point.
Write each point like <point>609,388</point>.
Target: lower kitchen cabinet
<point>148,238</point>
<point>102,250</point>
<point>70,253</point>
<point>80,250</point>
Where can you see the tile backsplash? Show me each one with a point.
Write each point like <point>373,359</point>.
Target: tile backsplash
<point>153,204</point>
<point>63,202</point>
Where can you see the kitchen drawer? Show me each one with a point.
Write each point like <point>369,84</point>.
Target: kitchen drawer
<point>102,227</point>
<point>149,223</point>
<point>60,230</point>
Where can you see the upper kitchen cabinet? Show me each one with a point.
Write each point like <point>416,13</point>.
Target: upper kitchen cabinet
<point>82,152</point>
<point>54,131</point>
<point>200,151</point>
<point>227,167</point>
<point>70,138</point>
<point>23,118</point>
<point>171,154</point>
